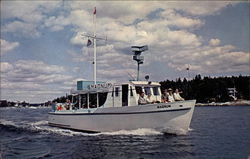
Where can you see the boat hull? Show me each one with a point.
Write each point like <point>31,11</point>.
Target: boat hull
<point>165,117</point>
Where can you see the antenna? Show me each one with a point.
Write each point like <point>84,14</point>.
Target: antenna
<point>137,56</point>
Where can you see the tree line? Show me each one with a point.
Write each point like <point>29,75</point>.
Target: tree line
<point>210,89</point>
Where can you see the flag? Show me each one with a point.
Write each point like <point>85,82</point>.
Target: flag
<point>89,42</point>
<point>94,11</point>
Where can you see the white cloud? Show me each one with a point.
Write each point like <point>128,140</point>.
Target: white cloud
<point>35,77</point>
<point>56,23</point>
<point>40,67</point>
<point>7,46</point>
<point>204,8</point>
<point>214,42</point>
<point>5,67</point>
<point>173,18</point>
<point>31,16</point>
<point>24,29</point>
<point>26,16</point>
<point>79,39</point>
<point>211,59</point>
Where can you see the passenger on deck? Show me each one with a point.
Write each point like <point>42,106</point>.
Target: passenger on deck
<point>149,99</point>
<point>170,95</point>
<point>177,96</point>
<point>67,105</point>
<point>142,100</point>
<point>164,97</point>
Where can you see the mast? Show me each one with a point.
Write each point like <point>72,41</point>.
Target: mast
<point>138,70</point>
<point>94,38</point>
<point>94,14</point>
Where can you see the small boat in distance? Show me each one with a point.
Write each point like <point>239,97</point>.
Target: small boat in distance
<point>97,106</point>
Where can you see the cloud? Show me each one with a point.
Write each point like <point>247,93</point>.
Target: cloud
<point>79,39</point>
<point>24,29</point>
<point>214,42</point>
<point>56,23</point>
<point>175,19</point>
<point>211,59</point>
<point>33,16</point>
<point>34,76</point>
<point>40,67</point>
<point>5,67</point>
<point>25,18</point>
<point>7,46</point>
<point>204,8</point>
<point>24,71</point>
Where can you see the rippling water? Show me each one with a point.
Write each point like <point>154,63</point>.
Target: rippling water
<point>216,132</point>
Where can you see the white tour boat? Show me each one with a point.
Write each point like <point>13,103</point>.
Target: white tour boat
<point>104,107</point>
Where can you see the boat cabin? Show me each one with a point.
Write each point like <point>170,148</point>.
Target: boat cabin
<point>102,94</point>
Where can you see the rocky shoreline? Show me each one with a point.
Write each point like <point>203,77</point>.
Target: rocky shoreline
<point>233,103</point>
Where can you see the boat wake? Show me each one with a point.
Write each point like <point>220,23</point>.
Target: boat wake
<point>138,132</point>
<point>43,127</point>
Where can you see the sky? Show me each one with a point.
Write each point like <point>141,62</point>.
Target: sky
<point>43,52</point>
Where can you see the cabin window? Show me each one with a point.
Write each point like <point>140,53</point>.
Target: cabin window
<point>75,102</point>
<point>131,91</point>
<point>147,90</point>
<point>117,89</point>
<point>156,91</point>
<point>138,89</point>
<point>93,100</point>
<point>83,98</point>
<point>102,98</point>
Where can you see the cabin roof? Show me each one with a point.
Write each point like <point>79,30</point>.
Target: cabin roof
<point>87,91</point>
<point>102,90</point>
<point>144,83</point>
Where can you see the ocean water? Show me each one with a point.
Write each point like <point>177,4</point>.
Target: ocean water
<point>215,133</point>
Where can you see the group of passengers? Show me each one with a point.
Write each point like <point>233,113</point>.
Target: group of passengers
<point>167,96</point>
<point>145,100</point>
<point>65,106</point>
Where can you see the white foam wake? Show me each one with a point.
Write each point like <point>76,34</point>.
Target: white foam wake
<point>43,127</point>
<point>139,132</point>
<point>42,122</point>
<point>7,122</point>
<point>175,131</point>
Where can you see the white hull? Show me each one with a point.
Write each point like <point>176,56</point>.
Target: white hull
<point>164,117</point>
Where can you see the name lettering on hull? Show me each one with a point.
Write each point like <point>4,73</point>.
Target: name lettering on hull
<point>163,106</point>
<point>101,85</point>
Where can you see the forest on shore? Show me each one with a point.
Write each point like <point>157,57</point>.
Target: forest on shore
<point>210,89</point>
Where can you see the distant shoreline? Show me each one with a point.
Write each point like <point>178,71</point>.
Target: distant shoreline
<point>234,103</point>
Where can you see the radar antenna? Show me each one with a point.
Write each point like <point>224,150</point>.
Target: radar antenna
<point>137,56</point>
